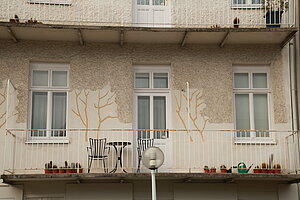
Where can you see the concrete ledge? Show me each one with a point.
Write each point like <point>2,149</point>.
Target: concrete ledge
<point>129,177</point>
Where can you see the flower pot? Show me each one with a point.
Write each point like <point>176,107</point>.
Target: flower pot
<point>54,171</point>
<point>264,171</point>
<point>48,171</point>
<point>61,171</point>
<point>277,171</point>
<point>223,171</point>
<point>80,170</point>
<point>273,19</point>
<point>206,170</point>
<point>69,170</point>
<point>270,171</point>
<point>212,170</point>
<point>256,171</point>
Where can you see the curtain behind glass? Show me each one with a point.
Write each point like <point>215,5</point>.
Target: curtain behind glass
<point>59,106</point>
<point>39,113</point>
<point>143,116</point>
<point>242,114</point>
<point>159,116</point>
<point>261,119</point>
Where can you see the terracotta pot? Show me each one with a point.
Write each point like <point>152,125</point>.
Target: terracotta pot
<point>48,171</point>
<point>80,170</point>
<point>277,171</point>
<point>270,171</point>
<point>264,171</point>
<point>206,170</point>
<point>61,171</point>
<point>223,171</point>
<point>256,171</point>
<point>213,170</point>
<point>54,171</point>
<point>69,170</point>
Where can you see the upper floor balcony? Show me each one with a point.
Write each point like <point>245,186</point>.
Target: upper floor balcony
<point>162,21</point>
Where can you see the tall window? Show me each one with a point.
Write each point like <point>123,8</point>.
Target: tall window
<point>251,95</point>
<point>49,86</point>
<point>151,96</point>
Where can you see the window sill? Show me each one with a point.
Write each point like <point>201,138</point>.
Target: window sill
<point>48,141</point>
<point>258,7</point>
<point>255,141</point>
<point>48,2</point>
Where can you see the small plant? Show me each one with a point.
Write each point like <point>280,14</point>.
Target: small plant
<point>264,165</point>
<point>213,170</point>
<point>257,169</point>
<point>223,169</point>
<point>277,166</point>
<point>206,169</point>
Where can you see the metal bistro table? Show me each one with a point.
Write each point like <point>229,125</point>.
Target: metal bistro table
<point>121,146</point>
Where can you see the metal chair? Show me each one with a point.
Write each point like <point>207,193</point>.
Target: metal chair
<point>97,151</point>
<point>142,145</point>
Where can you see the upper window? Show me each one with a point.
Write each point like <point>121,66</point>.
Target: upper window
<point>155,78</point>
<point>247,3</point>
<point>50,1</point>
<point>251,95</point>
<point>49,86</point>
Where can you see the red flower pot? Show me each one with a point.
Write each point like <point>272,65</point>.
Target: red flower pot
<point>48,171</point>
<point>54,171</point>
<point>256,171</point>
<point>270,171</point>
<point>264,171</point>
<point>206,170</point>
<point>213,170</point>
<point>277,171</point>
<point>223,170</point>
<point>69,170</point>
<point>61,171</point>
<point>80,170</point>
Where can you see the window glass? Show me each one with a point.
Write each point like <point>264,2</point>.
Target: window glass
<point>59,78</point>
<point>159,118</point>
<point>142,2</point>
<point>59,105</point>
<point>242,114</point>
<point>241,80</point>
<point>261,120</point>
<point>39,113</point>
<point>143,116</point>
<point>256,1</point>
<point>160,80</point>
<point>260,80</point>
<point>239,1</point>
<point>159,2</point>
<point>40,78</point>
<point>142,80</point>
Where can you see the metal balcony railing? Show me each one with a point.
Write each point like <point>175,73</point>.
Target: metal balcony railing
<point>28,151</point>
<point>168,13</point>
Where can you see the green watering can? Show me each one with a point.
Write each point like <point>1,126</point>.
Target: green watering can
<point>242,168</point>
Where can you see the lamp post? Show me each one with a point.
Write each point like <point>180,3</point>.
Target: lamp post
<point>153,158</point>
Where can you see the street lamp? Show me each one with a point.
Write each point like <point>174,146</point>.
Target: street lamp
<point>153,158</point>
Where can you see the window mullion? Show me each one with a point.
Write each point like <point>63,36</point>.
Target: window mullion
<point>49,113</point>
<point>251,109</point>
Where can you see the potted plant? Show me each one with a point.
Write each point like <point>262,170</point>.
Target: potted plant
<point>47,168</point>
<point>257,170</point>
<point>264,168</point>
<point>61,170</point>
<point>206,169</point>
<point>277,169</point>
<point>223,169</point>
<point>274,10</point>
<point>213,170</point>
<point>73,168</point>
<point>55,169</point>
<point>79,169</point>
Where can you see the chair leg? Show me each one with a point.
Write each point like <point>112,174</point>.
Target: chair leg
<point>90,160</point>
<point>139,165</point>
<point>104,166</point>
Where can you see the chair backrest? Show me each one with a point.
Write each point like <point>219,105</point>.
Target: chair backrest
<point>97,147</point>
<point>143,144</point>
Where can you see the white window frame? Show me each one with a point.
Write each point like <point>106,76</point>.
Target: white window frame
<point>50,67</point>
<point>51,2</point>
<point>248,4</point>
<point>251,91</point>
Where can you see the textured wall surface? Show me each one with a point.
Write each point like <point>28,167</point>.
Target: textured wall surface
<point>94,66</point>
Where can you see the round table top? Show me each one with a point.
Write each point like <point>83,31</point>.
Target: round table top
<point>118,143</point>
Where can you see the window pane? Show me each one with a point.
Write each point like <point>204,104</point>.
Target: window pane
<point>159,2</point>
<point>40,78</point>
<point>142,2</point>
<point>59,105</point>
<point>241,80</point>
<point>239,1</point>
<point>143,116</point>
<point>59,78</point>
<point>242,114</point>
<point>260,80</point>
<point>160,80</point>
<point>256,1</point>
<point>261,119</point>
<point>159,116</point>
<point>142,80</point>
<point>39,113</point>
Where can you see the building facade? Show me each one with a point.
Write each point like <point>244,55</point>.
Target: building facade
<point>210,83</point>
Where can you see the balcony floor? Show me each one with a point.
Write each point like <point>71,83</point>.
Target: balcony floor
<point>130,177</point>
<point>123,35</point>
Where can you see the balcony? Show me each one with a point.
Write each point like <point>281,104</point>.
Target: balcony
<point>183,22</point>
<point>186,153</point>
